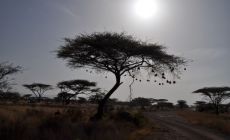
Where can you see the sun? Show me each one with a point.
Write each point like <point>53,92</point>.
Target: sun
<point>145,8</point>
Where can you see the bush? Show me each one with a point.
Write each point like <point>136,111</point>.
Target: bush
<point>140,120</point>
<point>9,96</point>
<point>76,115</point>
<point>135,118</point>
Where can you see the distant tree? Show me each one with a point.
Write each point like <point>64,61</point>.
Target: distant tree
<point>160,103</point>
<point>160,100</point>
<point>26,97</point>
<point>200,102</point>
<point>216,95</point>
<point>10,96</point>
<point>227,107</point>
<point>72,88</point>
<point>182,104</point>
<point>113,100</point>
<point>96,97</point>
<point>140,101</point>
<point>82,100</point>
<point>118,54</point>
<point>167,105</point>
<point>200,105</point>
<point>7,70</point>
<point>38,89</point>
<point>64,97</point>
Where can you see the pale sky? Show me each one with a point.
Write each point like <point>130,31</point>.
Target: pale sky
<point>30,30</point>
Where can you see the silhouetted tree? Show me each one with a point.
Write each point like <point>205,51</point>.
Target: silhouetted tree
<point>26,97</point>
<point>160,100</point>
<point>140,101</point>
<point>38,89</point>
<point>226,108</point>
<point>113,100</point>
<point>200,102</point>
<point>160,103</point>
<point>182,104</point>
<point>216,95</point>
<point>166,105</point>
<point>6,70</point>
<point>82,100</point>
<point>76,87</point>
<point>96,97</point>
<point>10,96</point>
<point>64,97</point>
<point>118,54</point>
<point>200,105</point>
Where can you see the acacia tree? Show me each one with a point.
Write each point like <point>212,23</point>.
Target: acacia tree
<point>64,97</point>
<point>38,89</point>
<point>97,97</point>
<point>160,102</point>
<point>6,70</point>
<point>182,104</point>
<point>76,87</point>
<point>216,95</point>
<point>140,101</point>
<point>119,54</point>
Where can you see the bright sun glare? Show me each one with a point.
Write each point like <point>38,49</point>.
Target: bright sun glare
<point>145,8</point>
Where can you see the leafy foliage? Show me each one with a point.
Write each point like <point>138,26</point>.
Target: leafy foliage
<point>117,53</point>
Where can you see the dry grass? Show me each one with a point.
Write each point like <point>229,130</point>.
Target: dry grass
<point>220,123</point>
<point>69,123</point>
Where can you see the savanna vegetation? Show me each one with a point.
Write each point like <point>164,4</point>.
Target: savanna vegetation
<point>22,122</point>
<point>83,111</point>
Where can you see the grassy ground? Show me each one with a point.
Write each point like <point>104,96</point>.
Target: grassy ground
<point>220,123</point>
<point>69,123</point>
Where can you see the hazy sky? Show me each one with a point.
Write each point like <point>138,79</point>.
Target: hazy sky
<point>30,30</point>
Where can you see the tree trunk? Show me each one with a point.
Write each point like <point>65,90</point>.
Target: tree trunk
<point>102,103</point>
<point>39,98</point>
<point>217,110</point>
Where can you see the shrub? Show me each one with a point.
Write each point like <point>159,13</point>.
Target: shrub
<point>137,119</point>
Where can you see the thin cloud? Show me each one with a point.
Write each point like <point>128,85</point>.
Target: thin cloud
<point>62,8</point>
<point>67,11</point>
